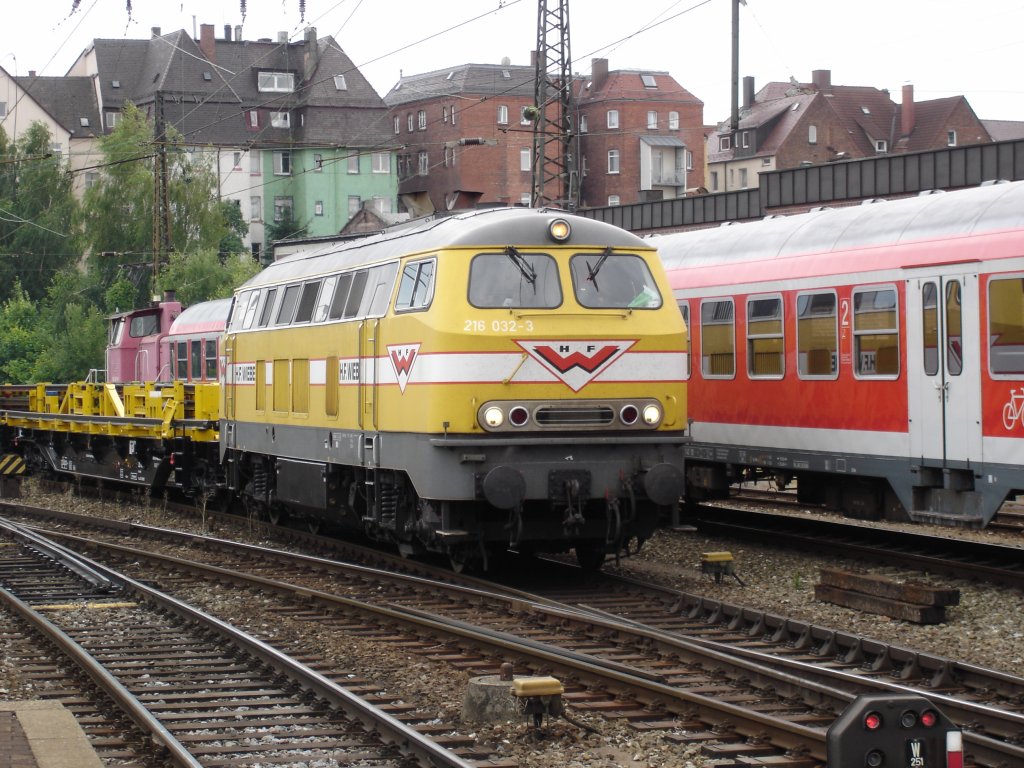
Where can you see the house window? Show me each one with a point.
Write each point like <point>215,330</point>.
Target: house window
<point>881,145</point>
<point>318,162</point>
<point>352,162</point>
<point>689,159</point>
<point>280,120</point>
<point>525,115</point>
<point>111,119</point>
<point>84,122</point>
<point>502,114</point>
<point>421,119</point>
<point>409,122</point>
<point>275,82</point>
<point>236,161</point>
<point>453,115</point>
<point>318,208</point>
<point>812,134</point>
<point>524,199</point>
<point>252,119</point>
<point>673,121</point>
<point>613,200</point>
<point>950,138</point>
<point>255,208</point>
<point>339,83</point>
<point>398,124</point>
<point>382,205</point>
<point>444,113</point>
<point>255,163</point>
<point>714,181</point>
<point>283,208</point>
<point>613,161</point>
<point>424,162</point>
<point>743,178</point>
<point>613,118</point>
<point>354,204</point>
<point>381,162</point>
<point>525,159</point>
<point>652,119</point>
<point>283,163</point>
<point>583,123</point>
<point>648,81</point>
<point>724,143</point>
<point>3,109</point>
<point>91,178</point>
<point>745,139</point>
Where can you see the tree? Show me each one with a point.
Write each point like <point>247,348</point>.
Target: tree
<point>283,229</point>
<point>73,328</point>
<point>38,213</point>
<point>238,228</point>
<point>20,338</point>
<point>203,276</point>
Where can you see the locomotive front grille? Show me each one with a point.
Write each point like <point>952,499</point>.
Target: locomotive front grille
<point>567,416</point>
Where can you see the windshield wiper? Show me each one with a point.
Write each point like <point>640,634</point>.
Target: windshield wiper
<point>593,270</point>
<point>525,268</point>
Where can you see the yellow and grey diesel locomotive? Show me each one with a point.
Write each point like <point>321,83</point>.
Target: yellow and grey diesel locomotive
<point>463,384</point>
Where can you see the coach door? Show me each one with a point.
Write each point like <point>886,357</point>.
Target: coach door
<point>944,364</point>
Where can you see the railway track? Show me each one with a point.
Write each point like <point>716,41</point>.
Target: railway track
<point>202,692</point>
<point>690,667</point>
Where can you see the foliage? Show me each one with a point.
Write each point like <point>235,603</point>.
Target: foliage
<point>238,228</point>
<point>20,338</point>
<point>74,328</point>
<point>38,212</point>
<point>283,229</point>
<point>203,276</point>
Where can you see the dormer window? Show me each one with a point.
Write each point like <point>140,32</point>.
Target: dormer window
<point>881,145</point>
<point>506,74</point>
<point>275,82</point>
<point>339,83</point>
<point>280,120</point>
<point>84,122</point>
<point>950,138</point>
<point>865,110</point>
<point>724,143</point>
<point>648,81</point>
<point>115,83</point>
<point>207,76</point>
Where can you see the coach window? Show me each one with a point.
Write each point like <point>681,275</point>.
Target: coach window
<point>876,338</point>
<point>268,307</point>
<point>930,326</point>
<point>684,310</point>
<point>211,360</point>
<point>1006,327</point>
<point>717,339</point>
<point>765,343</point>
<point>954,330</point>
<point>307,301</point>
<point>816,335</point>
<point>182,368</point>
<point>613,281</point>
<point>288,301</point>
<point>324,300</point>
<point>514,280</point>
<point>416,288</point>
<point>197,359</point>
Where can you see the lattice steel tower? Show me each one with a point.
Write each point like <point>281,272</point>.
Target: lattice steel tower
<point>554,178</point>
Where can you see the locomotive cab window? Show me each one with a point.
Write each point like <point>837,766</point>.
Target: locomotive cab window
<point>116,331</point>
<point>765,342</point>
<point>876,339</point>
<point>717,339</point>
<point>514,280</point>
<point>1006,327</point>
<point>613,281</point>
<point>144,325</point>
<point>416,287</point>
<point>817,335</point>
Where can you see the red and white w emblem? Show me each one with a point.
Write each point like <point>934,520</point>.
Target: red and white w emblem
<point>402,357</point>
<point>576,363</point>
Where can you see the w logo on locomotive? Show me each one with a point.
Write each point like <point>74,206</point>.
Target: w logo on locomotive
<point>576,363</point>
<point>402,357</point>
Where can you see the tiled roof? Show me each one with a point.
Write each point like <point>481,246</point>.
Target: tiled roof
<point>67,100</point>
<point>1004,130</point>
<point>628,84</point>
<point>475,79</point>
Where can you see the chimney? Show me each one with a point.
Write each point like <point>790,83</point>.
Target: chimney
<point>822,79</point>
<point>907,117</point>
<point>206,42</point>
<point>227,32</point>
<point>31,73</point>
<point>748,92</point>
<point>598,72</point>
<point>238,33</point>
<point>310,54</point>
<point>282,37</point>
<point>154,31</point>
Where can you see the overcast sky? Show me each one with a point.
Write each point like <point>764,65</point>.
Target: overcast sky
<point>942,47</point>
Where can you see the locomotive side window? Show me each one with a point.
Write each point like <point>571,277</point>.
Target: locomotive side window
<point>514,280</point>
<point>613,281</point>
<point>379,282</point>
<point>211,360</point>
<point>684,309</point>
<point>340,296</point>
<point>817,337</point>
<point>717,339</point>
<point>307,301</point>
<point>324,301</point>
<point>416,287</point>
<point>268,307</point>
<point>355,293</point>
<point>1006,326</point>
<point>954,330</point>
<point>930,324</point>
<point>288,301</point>
<point>144,325</point>
<point>116,331</point>
<point>765,341</point>
<point>876,333</point>
<point>253,299</point>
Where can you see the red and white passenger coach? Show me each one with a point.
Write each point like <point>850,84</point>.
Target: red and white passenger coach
<point>874,354</point>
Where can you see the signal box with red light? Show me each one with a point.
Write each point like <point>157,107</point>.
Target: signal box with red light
<point>898,730</point>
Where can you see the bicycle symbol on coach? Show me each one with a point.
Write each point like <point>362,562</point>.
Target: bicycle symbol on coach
<point>1013,411</point>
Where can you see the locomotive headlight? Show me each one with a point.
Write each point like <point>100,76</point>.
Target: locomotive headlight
<point>493,417</point>
<point>559,230</point>
<point>652,414</point>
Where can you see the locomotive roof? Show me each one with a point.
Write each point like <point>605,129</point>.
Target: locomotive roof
<point>932,216</point>
<point>488,228</point>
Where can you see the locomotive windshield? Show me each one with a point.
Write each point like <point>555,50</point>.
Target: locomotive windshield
<point>613,281</point>
<point>514,280</point>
